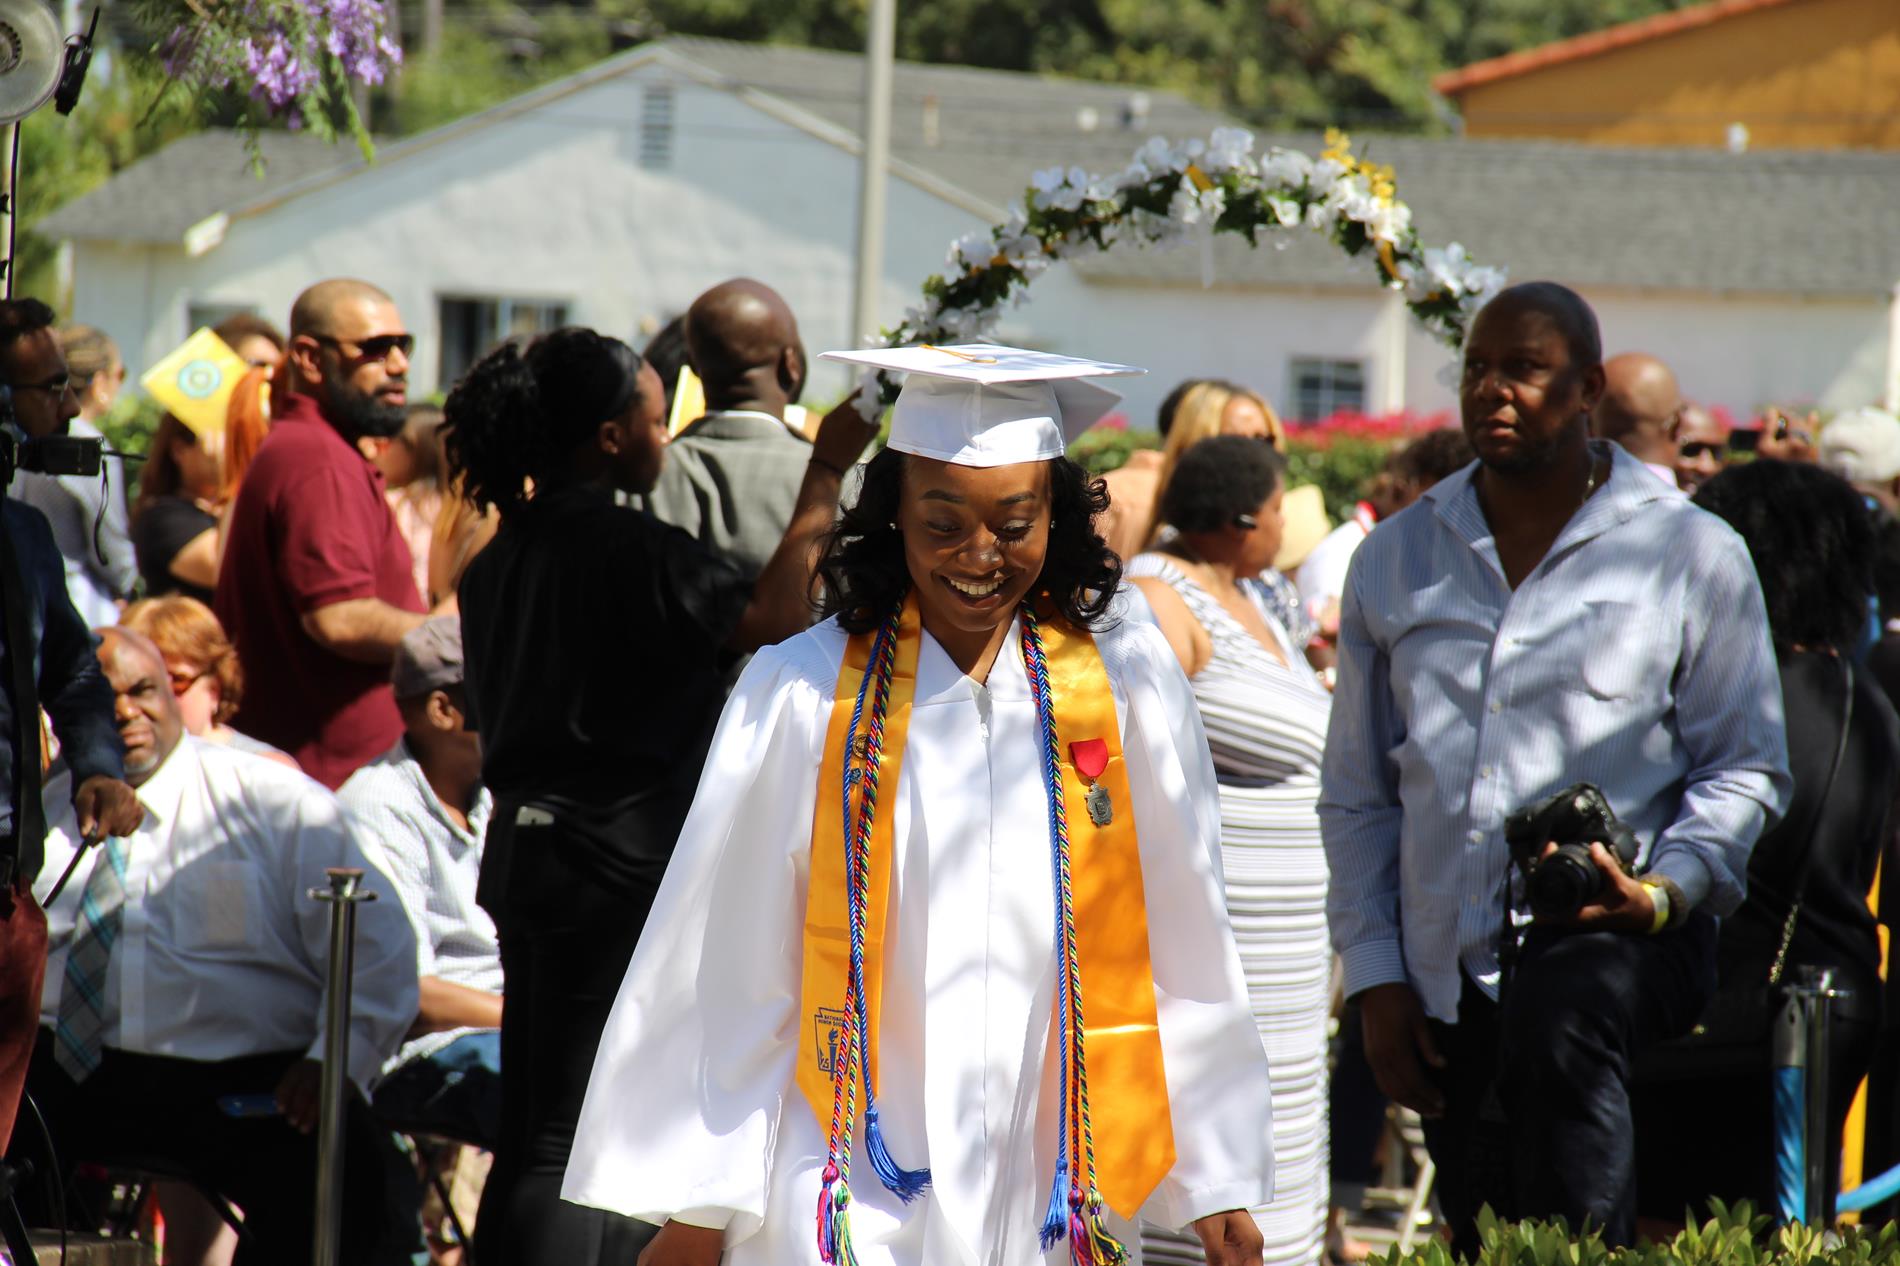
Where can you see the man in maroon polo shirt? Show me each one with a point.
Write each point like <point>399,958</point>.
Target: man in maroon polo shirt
<point>316,588</point>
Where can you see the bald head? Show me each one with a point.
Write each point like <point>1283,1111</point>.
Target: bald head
<point>320,309</point>
<point>143,705</point>
<point>742,341</point>
<point>1640,408</point>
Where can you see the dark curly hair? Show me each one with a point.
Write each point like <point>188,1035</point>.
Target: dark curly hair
<point>519,413</point>
<point>1218,479</point>
<point>862,574</point>
<point>1813,539</point>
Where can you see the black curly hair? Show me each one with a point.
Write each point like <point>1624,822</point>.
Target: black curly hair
<point>862,574</point>
<point>520,412</point>
<point>1218,479</point>
<point>1813,539</point>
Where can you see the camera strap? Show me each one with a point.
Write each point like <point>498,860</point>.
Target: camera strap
<point>22,853</point>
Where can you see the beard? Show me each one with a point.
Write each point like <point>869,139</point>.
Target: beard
<point>360,413</point>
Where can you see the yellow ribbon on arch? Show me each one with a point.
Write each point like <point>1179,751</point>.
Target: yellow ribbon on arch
<point>1128,1092</point>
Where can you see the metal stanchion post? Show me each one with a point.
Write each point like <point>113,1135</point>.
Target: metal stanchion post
<point>343,894</point>
<point>1815,986</point>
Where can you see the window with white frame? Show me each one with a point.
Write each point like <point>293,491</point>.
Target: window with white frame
<point>1323,387</point>
<point>470,325</point>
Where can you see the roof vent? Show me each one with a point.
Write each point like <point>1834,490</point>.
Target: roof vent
<point>656,127</point>
<point>1738,138</point>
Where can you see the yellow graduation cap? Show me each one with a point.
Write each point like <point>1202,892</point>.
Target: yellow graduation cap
<point>195,382</point>
<point>689,401</point>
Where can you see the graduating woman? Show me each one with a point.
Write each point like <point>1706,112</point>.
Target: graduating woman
<point>942,954</point>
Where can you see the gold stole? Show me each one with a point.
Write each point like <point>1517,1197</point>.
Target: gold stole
<point>1133,1134</point>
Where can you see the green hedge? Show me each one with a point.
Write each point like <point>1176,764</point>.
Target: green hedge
<point>1731,1237</point>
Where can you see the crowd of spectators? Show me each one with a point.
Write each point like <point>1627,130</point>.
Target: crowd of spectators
<point>478,650</point>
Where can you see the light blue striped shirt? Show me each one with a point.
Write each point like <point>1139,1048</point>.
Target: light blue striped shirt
<point>1635,656</point>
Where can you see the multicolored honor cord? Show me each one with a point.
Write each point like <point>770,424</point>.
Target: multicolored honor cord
<point>1075,1205</point>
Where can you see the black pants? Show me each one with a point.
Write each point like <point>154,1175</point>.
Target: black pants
<point>566,940</point>
<point>1537,1117</point>
<point>155,1109</point>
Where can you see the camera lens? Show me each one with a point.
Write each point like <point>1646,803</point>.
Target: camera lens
<point>1564,882</point>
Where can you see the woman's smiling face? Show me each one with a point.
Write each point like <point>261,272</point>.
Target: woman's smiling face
<point>974,539</point>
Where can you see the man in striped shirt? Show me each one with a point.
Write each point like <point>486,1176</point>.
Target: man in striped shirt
<point>1550,615</point>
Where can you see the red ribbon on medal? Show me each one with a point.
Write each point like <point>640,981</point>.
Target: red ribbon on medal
<point>1090,757</point>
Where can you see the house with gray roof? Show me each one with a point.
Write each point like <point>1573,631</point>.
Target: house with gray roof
<point>614,196</point>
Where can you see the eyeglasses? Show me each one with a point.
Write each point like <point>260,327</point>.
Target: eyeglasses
<point>52,386</point>
<point>375,347</point>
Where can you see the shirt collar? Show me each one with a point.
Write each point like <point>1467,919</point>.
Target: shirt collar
<point>1624,493</point>
<point>162,793</point>
<point>477,810</point>
<point>742,415</point>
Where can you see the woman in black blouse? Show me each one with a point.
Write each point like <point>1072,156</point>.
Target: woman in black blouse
<point>1811,537</point>
<point>595,638</point>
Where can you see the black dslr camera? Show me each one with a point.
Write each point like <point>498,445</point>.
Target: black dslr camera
<point>1573,820</point>
<point>48,455</point>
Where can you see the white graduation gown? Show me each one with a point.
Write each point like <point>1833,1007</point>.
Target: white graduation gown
<point>692,1112</point>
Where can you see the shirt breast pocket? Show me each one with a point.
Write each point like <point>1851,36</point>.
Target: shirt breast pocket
<point>222,909</point>
<point>1619,651</point>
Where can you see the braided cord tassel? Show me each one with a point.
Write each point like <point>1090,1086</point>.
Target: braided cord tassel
<point>1090,1242</point>
<point>905,1184</point>
<point>834,1193</point>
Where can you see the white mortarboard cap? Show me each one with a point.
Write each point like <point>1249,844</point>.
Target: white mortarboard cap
<point>1862,446</point>
<point>977,404</point>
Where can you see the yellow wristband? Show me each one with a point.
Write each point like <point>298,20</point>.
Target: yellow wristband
<point>1658,897</point>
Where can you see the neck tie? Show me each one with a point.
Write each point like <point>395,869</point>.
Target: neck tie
<point>77,1040</point>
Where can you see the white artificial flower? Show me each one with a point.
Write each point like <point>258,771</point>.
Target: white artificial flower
<point>1059,190</point>
<point>1285,210</point>
<point>1229,149</point>
<point>1191,206</point>
<point>1390,222</point>
<point>1326,173</point>
<point>973,252</point>
<point>1158,156</point>
<point>1286,167</point>
<point>1134,176</point>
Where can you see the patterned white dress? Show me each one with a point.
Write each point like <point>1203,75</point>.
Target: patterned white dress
<point>1266,725</point>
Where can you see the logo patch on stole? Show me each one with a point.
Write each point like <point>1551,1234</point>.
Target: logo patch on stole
<point>827,1033</point>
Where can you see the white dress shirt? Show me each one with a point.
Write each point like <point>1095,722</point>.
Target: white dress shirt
<point>434,864</point>
<point>1635,656</point>
<point>223,953</point>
